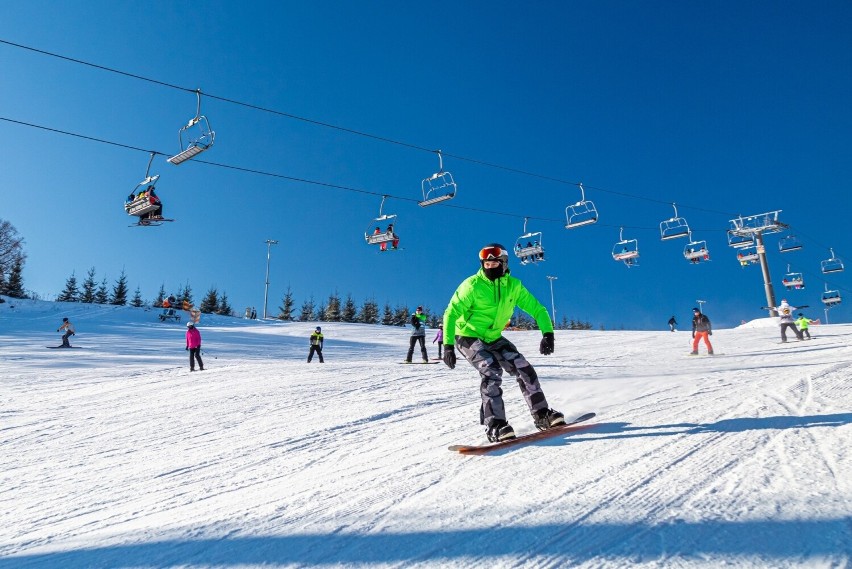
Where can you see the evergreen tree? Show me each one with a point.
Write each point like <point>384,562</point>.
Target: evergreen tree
<point>210,303</point>
<point>101,295</point>
<point>307,311</point>
<point>387,315</point>
<point>71,292</point>
<point>285,311</point>
<point>179,296</point>
<point>137,301</point>
<point>187,295</point>
<point>161,296</point>
<point>319,315</point>
<point>400,315</point>
<point>369,312</point>
<point>523,322</point>
<point>2,282</point>
<point>119,290</point>
<point>332,310</point>
<point>564,324</point>
<point>349,311</point>
<point>89,285</point>
<point>433,319</point>
<point>15,284</point>
<point>224,308</point>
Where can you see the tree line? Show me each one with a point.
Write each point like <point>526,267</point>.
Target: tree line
<point>12,258</point>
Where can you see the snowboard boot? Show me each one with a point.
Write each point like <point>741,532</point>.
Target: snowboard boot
<point>500,430</point>
<point>693,353</point>
<point>710,353</point>
<point>547,418</point>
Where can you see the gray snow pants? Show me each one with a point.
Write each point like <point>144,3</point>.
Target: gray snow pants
<point>490,359</point>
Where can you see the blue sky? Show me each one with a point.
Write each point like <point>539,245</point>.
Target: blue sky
<point>725,108</point>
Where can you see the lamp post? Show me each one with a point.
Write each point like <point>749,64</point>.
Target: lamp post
<point>552,303</point>
<point>701,305</point>
<point>269,244</point>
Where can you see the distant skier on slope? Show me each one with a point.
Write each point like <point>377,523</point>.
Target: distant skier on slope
<point>475,318</point>
<point>193,344</point>
<point>316,345</point>
<point>418,334</point>
<point>701,329</point>
<point>785,311</point>
<point>672,324</point>
<point>69,331</point>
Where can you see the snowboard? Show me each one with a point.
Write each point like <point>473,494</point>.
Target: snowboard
<point>424,363</point>
<point>64,347</point>
<point>536,436</point>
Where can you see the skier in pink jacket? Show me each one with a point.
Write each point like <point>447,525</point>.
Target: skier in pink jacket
<point>193,344</point>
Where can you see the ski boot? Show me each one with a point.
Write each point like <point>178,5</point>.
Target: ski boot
<point>547,418</point>
<point>500,430</point>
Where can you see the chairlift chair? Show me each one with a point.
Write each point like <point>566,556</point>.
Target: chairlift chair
<point>696,251</point>
<point>375,234</point>
<point>626,250</point>
<point>831,297</point>
<point>581,213</point>
<point>832,265</point>
<point>195,137</point>
<point>674,227</point>
<point>789,243</point>
<point>529,247</point>
<point>738,241</point>
<point>793,280</point>
<point>748,255</point>
<point>438,187</point>
<point>140,204</point>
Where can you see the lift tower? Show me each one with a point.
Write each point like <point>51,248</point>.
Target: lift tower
<point>757,226</point>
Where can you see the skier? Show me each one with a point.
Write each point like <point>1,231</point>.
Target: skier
<point>439,337</point>
<point>803,324</point>
<point>193,344</point>
<point>316,345</point>
<point>701,328</point>
<point>785,311</point>
<point>69,331</point>
<point>673,324</point>
<point>478,312</point>
<point>418,321</point>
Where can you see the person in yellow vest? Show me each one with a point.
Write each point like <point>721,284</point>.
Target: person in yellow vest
<point>316,345</point>
<point>802,323</point>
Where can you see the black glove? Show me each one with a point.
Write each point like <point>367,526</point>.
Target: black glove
<point>187,348</point>
<point>546,347</point>
<point>693,334</point>
<point>450,356</point>
<point>709,332</point>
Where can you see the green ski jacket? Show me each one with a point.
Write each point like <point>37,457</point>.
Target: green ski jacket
<point>481,308</point>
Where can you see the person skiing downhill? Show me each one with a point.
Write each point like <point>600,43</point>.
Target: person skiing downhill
<point>701,329</point>
<point>193,344</point>
<point>474,320</point>
<point>418,334</point>
<point>785,311</point>
<point>69,331</point>
<point>316,345</point>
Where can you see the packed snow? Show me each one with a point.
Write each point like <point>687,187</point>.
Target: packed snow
<point>115,455</point>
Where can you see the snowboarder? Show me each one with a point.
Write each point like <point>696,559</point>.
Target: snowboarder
<point>478,312</point>
<point>439,337</point>
<point>673,324</point>
<point>193,344</point>
<point>69,331</point>
<point>701,328</point>
<point>316,345</point>
<point>785,311</point>
<point>418,322</point>
<point>803,324</point>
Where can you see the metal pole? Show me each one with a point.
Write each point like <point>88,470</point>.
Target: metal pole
<point>552,302</point>
<point>701,304</point>
<point>269,243</point>
<point>826,314</point>
<point>764,266</point>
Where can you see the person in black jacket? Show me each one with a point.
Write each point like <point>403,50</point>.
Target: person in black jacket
<point>418,322</point>
<point>701,328</point>
<point>672,324</point>
<point>316,345</point>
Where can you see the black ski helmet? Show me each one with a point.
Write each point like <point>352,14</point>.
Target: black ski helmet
<point>65,320</point>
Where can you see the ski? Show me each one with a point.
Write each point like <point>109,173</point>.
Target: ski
<point>536,436</point>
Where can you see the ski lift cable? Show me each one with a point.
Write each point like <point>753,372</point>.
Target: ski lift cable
<point>341,128</point>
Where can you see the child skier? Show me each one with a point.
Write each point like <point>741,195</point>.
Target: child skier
<point>474,320</point>
<point>802,322</point>
<point>439,337</point>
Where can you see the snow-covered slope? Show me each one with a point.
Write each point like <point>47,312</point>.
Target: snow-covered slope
<point>115,455</point>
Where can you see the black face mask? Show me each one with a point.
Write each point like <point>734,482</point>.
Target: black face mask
<point>495,273</point>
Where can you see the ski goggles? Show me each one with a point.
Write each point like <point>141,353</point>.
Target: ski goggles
<point>493,254</point>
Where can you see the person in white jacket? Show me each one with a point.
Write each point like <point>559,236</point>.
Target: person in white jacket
<point>785,311</point>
